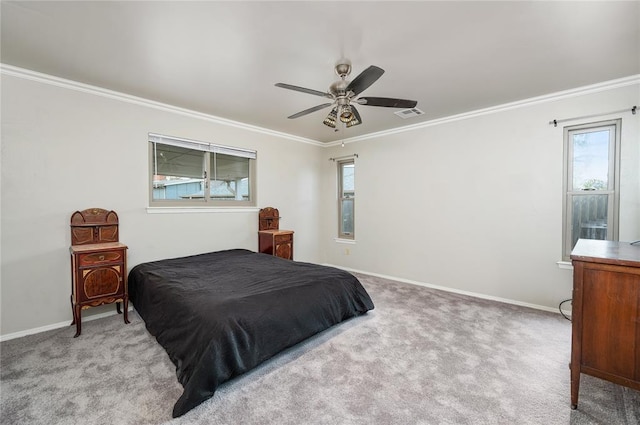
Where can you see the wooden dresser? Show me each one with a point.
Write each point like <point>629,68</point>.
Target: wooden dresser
<point>98,263</point>
<point>272,240</point>
<point>605,313</point>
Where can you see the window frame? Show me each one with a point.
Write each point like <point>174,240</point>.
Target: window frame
<point>209,150</point>
<point>613,182</point>
<point>342,198</point>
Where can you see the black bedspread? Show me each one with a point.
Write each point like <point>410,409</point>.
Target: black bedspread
<point>220,314</point>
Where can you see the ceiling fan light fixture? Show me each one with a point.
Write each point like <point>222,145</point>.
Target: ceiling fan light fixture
<point>330,121</point>
<point>346,115</point>
<point>352,122</point>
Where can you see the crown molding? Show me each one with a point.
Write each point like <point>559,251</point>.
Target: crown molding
<point>98,91</point>
<point>27,74</point>
<point>552,97</point>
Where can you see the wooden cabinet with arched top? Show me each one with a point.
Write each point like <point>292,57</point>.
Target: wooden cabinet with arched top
<point>276,242</point>
<point>272,240</point>
<point>98,263</point>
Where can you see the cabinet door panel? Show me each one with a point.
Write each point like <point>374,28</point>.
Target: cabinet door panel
<point>101,282</point>
<point>82,235</point>
<point>284,250</point>
<point>108,234</point>
<point>609,336</point>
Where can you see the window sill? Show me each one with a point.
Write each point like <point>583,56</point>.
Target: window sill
<point>347,241</point>
<point>184,210</point>
<point>566,265</point>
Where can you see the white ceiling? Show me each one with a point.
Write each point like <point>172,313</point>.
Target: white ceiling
<point>223,58</point>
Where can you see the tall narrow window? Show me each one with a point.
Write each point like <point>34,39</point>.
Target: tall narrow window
<point>591,183</point>
<point>189,173</point>
<point>347,198</point>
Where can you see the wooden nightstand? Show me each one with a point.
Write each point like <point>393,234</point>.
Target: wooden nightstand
<point>272,240</point>
<point>98,263</point>
<point>276,242</point>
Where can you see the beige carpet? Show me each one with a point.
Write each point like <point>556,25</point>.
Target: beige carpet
<point>421,357</point>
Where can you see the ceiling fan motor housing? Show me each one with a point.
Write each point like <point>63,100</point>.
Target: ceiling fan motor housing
<point>339,88</point>
<point>343,67</point>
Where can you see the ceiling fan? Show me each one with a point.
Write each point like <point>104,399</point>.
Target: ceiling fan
<point>343,96</point>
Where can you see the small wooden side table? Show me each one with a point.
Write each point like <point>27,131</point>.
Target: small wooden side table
<point>276,242</point>
<point>98,263</point>
<point>272,240</point>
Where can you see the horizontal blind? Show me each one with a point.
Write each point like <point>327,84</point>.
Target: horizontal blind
<point>178,161</point>
<point>202,146</point>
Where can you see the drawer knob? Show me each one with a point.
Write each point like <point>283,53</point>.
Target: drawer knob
<point>101,258</point>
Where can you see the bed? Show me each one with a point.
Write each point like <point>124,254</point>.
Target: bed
<point>222,313</point>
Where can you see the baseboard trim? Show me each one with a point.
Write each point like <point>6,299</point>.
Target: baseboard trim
<point>453,290</point>
<point>53,326</point>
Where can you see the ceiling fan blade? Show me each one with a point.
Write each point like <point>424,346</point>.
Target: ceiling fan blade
<point>303,90</point>
<point>365,79</point>
<point>387,102</point>
<point>310,110</point>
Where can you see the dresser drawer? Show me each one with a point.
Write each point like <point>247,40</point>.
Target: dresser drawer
<point>278,239</point>
<point>101,258</point>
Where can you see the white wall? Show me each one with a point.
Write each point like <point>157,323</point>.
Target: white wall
<point>65,150</point>
<point>471,204</point>
<point>475,204</point>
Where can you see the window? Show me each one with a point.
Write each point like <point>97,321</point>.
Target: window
<point>591,183</point>
<point>190,173</point>
<point>347,198</point>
